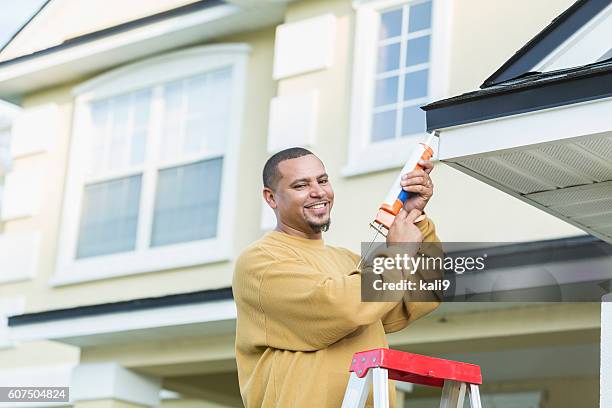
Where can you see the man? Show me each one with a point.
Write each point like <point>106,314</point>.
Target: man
<point>300,315</point>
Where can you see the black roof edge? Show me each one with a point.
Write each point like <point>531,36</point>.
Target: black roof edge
<point>186,9</point>
<point>24,25</point>
<point>180,299</point>
<point>553,35</point>
<point>542,91</point>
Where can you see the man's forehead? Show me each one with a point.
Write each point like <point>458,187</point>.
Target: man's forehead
<point>301,167</point>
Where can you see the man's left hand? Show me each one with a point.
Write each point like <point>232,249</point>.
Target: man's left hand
<point>419,185</point>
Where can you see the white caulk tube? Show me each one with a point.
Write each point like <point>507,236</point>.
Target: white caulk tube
<point>395,199</point>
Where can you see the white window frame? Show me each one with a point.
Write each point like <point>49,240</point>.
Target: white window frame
<point>151,72</point>
<point>363,155</point>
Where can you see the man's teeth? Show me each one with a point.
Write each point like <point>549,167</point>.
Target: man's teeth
<point>318,205</point>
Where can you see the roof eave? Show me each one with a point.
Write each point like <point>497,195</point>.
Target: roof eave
<point>487,104</point>
<point>93,53</point>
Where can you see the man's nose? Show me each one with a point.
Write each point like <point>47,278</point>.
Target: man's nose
<point>317,191</point>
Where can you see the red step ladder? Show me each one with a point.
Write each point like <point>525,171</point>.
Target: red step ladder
<point>376,367</point>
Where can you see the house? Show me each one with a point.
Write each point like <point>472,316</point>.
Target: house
<point>138,131</point>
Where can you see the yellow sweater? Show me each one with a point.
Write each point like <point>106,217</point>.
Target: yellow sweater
<point>300,319</point>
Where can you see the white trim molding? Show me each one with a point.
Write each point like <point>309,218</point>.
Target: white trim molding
<point>519,131</point>
<point>363,155</point>
<point>144,258</point>
<point>86,330</point>
<point>103,381</point>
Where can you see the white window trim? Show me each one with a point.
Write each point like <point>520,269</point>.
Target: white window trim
<point>156,70</point>
<point>366,157</point>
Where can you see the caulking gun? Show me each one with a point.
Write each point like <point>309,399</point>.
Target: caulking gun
<point>394,201</point>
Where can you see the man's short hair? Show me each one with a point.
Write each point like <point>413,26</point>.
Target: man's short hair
<point>270,170</point>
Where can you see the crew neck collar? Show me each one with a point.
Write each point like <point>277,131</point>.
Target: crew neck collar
<point>292,239</point>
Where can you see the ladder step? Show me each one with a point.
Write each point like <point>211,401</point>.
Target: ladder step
<point>415,368</point>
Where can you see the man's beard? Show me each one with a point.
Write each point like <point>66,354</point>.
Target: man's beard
<point>318,227</point>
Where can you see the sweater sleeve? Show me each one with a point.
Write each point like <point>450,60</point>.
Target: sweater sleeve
<point>306,310</point>
<point>409,309</point>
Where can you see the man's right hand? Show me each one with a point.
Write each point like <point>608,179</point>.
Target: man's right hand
<point>403,229</point>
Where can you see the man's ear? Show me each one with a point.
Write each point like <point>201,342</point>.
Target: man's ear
<point>268,195</point>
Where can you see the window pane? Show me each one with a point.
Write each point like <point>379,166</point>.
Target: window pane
<point>386,91</point>
<point>415,84</point>
<point>417,51</point>
<point>193,134</point>
<point>196,115</point>
<point>119,133</point>
<point>187,203</point>
<point>173,107</point>
<point>196,94</point>
<point>109,217</point>
<point>413,120</point>
<point>142,104</point>
<point>390,24</point>
<point>419,17</point>
<point>388,57</point>
<point>383,126</point>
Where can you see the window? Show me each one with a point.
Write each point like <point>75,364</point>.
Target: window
<point>402,70</point>
<point>401,63</point>
<point>152,167</point>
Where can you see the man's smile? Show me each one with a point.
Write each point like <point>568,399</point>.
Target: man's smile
<point>319,207</point>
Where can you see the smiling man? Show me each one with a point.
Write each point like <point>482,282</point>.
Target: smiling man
<point>300,315</point>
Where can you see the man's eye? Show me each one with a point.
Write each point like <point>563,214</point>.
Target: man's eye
<point>299,186</point>
<point>323,181</point>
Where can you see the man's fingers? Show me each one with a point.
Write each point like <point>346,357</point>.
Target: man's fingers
<point>413,181</point>
<point>412,215</point>
<point>419,188</point>
<point>427,165</point>
<point>414,173</point>
<point>401,215</point>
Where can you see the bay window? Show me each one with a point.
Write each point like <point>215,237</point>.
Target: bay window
<point>152,167</point>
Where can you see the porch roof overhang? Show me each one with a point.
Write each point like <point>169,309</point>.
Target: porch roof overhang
<point>201,313</point>
<point>89,54</point>
<point>545,138</point>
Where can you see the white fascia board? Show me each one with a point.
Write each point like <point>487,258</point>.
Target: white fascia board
<point>76,61</point>
<point>126,321</point>
<point>528,129</point>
